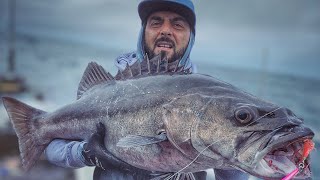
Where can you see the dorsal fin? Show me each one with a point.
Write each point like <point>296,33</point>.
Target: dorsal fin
<point>173,66</point>
<point>163,66</point>
<point>154,64</point>
<point>119,75</point>
<point>127,72</point>
<point>145,65</point>
<point>93,75</point>
<point>157,65</point>
<point>136,68</point>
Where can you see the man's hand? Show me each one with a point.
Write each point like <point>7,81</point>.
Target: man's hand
<point>95,152</point>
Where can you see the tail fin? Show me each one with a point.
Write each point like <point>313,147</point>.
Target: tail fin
<point>22,116</point>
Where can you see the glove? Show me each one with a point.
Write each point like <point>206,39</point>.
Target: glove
<point>96,154</point>
<point>95,150</point>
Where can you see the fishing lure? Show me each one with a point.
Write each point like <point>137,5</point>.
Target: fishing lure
<point>308,146</point>
<point>291,175</point>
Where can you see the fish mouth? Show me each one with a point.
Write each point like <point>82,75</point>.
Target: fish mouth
<point>283,154</point>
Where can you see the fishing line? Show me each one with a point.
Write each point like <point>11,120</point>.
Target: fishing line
<point>264,116</point>
<point>191,161</point>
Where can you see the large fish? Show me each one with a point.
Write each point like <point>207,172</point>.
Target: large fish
<point>164,121</point>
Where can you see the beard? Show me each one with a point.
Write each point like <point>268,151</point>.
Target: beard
<point>177,54</point>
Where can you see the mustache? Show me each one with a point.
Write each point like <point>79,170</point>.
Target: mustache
<point>165,39</point>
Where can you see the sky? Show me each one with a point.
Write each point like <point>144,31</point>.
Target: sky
<point>276,36</point>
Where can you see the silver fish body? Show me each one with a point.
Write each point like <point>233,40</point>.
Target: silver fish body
<point>208,123</point>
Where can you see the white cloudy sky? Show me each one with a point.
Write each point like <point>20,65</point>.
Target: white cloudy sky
<point>229,32</point>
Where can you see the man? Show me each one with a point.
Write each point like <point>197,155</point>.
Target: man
<point>168,27</point>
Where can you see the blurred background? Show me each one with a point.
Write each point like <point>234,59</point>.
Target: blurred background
<point>268,48</point>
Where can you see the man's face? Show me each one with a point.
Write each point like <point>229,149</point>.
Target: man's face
<point>168,32</point>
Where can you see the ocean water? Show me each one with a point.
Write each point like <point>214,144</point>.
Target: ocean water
<point>54,68</point>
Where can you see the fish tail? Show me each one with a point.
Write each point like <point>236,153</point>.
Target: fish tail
<point>22,117</point>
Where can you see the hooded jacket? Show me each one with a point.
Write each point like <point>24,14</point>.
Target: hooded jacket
<point>185,8</point>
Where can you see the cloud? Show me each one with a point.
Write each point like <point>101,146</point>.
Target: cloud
<point>284,15</point>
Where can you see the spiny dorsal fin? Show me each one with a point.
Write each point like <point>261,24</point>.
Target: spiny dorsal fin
<point>93,75</point>
<point>127,72</point>
<point>136,68</point>
<point>173,66</point>
<point>154,64</point>
<point>145,65</point>
<point>163,66</point>
<point>157,65</point>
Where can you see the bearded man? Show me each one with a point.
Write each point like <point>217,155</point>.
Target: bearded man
<point>168,27</point>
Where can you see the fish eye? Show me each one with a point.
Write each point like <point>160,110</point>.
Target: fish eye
<point>243,115</point>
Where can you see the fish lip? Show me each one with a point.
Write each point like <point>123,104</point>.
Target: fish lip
<point>275,144</point>
<point>287,138</point>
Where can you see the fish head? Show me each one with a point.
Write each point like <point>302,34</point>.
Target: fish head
<point>238,130</point>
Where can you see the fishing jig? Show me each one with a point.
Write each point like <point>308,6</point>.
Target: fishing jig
<point>308,146</point>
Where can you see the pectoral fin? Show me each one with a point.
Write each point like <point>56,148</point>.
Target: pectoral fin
<point>137,140</point>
